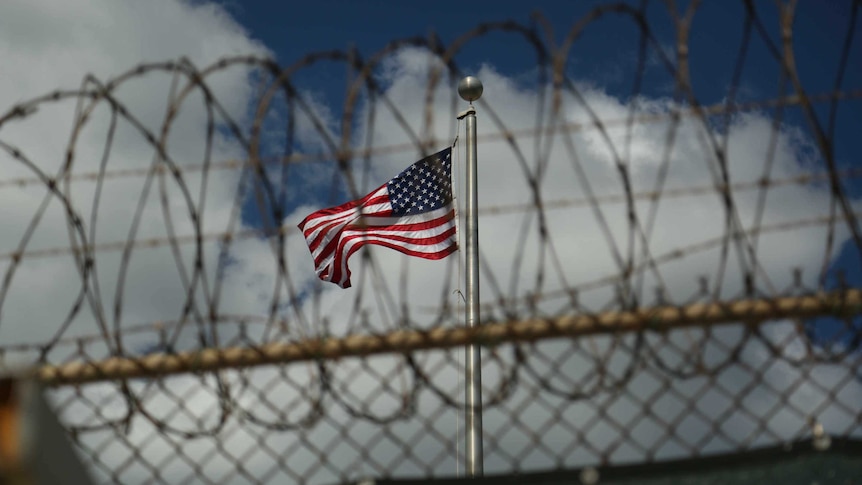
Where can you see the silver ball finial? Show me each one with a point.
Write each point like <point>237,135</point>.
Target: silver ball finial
<point>470,88</point>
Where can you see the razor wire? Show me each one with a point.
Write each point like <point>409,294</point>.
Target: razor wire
<point>630,390</point>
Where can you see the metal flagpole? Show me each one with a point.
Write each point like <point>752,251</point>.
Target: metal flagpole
<point>470,89</point>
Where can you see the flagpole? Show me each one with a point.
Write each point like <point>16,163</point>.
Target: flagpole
<point>470,89</point>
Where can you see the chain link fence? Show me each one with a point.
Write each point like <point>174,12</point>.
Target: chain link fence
<point>663,279</point>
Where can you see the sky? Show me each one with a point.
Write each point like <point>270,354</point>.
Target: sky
<point>49,45</point>
<point>292,33</point>
<point>598,58</point>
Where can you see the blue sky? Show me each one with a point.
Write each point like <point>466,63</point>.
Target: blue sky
<point>604,55</point>
<point>336,24</point>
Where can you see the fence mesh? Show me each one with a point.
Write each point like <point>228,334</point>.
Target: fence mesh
<point>664,277</point>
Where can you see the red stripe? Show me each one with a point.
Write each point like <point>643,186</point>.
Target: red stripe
<point>413,226</point>
<point>311,221</point>
<point>401,249</point>
<point>340,256</point>
<point>432,256</point>
<point>333,243</point>
<point>425,241</point>
<point>345,207</point>
<point>324,231</point>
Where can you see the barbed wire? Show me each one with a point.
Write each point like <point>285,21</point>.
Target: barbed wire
<point>715,109</point>
<point>660,278</point>
<point>487,211</point>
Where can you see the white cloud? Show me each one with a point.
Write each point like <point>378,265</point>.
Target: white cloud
<point>584,251</point>
<point>54,46</point>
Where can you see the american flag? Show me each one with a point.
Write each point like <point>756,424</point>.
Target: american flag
<point>412,213</point>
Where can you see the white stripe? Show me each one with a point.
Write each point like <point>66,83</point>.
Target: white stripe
<point>419,234</point>
<point>382,191</point>
<point>425,233</point>
<point>411,219</point>
<point>318,223</point>
<point>428,249</point>
<point>328,237</point>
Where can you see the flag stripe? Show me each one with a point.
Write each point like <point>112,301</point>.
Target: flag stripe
<point>415,238</point>
<point>368,206</point>
<point>369,203</point>
<point>323,233</point>
<point>415,231</point>
<point>435,251</point>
